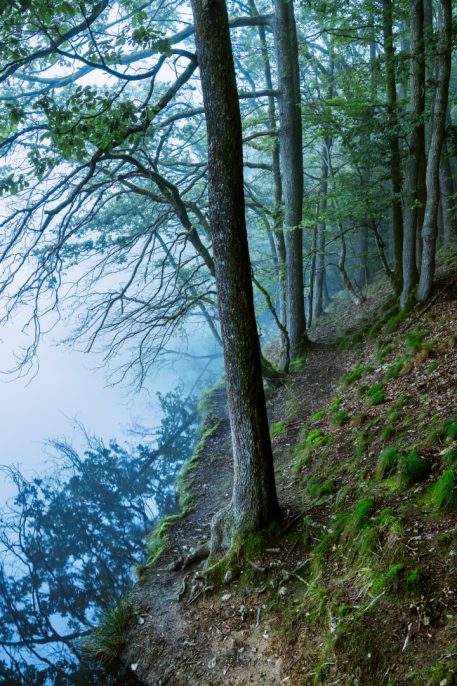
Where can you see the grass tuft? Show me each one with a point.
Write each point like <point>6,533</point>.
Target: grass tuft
<point>376,394</point>
<point>277,429</point>
<point>444,492</point>
<point>107,640</point>
<point>412,469</point>
<point>387,463</point>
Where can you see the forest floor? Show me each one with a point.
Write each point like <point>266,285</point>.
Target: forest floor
<point>359,583</point>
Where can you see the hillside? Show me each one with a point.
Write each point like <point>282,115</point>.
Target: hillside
<point>357,585</point>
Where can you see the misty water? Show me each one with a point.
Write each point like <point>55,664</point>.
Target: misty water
<point>76,516</point>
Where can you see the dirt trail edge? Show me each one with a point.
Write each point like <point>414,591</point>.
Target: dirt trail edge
<point>223,637</point>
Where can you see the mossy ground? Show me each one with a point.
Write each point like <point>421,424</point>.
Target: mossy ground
<point>358,587</point>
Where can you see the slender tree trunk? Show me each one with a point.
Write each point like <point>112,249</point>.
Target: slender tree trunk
<point>318,300</point>
<point>415,173</point>
<point>312,278</point>
<point>436,143</point>
<point>277,183</point>
<point>291,155</point>
<point>254,501</point>
<point>447,191</point>
<point>394,145</point>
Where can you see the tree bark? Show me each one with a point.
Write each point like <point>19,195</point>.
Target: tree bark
<point>291,154</point>
<point>447,191</point>
<point>254,501</point>
<point>436,143</point>
<point>394,145</point>
<point>318,300</point>
<point>415,174</point>
<point>277,182</point>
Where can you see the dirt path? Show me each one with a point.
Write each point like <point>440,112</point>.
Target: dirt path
<point>222,638</point>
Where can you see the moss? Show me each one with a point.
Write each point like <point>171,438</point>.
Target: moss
<point>414,581</point>
<point>412,469</point>
<point>392,580</point>
<point>108,639</point>
<point>158,538</point>
<point>317,416</point>
<point>387,462</point>
<point>376,394</point>
<point>335,404</point>
<point>444,492</point>
<point>277,429</point>
<point>182,482</point>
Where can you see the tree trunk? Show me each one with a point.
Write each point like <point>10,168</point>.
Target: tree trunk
<point>254,501</point>
<point>415,174</point>
<point>436,143</point>
<point>394,145</point>
<point>447,197</point>
<point>277,181</point>
<point>291,154</point>
<point>318,300</point>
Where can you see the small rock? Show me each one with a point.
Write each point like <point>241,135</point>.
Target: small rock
<point>134,666</point>
<point>226,597</point>
<point>212,663</point>
<point>228,576</point>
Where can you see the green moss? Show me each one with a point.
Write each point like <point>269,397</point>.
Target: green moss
<point>412,469</point>
<point>392,580</point>
<point>376,394</point>
<point>414,581</point>
<point>317,416</point>
<point>108,639</point>
<point>387,462</point>
<point>182,482</point>
<point>158,538</point>
<point>444,492</point>
<point>277,429</point>
<point>335,404</point>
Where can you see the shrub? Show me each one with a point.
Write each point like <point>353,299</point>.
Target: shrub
<point>412,469</point>
<point>387,463</point>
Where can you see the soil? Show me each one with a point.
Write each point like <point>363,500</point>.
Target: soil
<point>239,633</point>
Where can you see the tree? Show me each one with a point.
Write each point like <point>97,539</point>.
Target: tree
<point>254,500</point>
<point>70,540</point>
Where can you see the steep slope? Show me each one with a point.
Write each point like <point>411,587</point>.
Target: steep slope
<point>358,583</point>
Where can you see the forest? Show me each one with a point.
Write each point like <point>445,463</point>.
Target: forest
<point>277,179</point>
